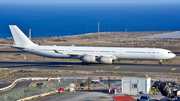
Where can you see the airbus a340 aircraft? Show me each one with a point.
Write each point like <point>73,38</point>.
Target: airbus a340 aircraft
<point>89,54</point>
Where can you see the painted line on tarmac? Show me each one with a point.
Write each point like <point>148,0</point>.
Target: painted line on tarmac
<point>173,69</point>
<point>68,66</point>
<point>110,65</point>
<point>117,67</point>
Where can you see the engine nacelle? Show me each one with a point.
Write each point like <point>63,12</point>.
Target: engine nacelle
<point>88,58</point>
<point>106,60</point>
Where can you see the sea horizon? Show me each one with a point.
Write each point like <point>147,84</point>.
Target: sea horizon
<point>50,20</point>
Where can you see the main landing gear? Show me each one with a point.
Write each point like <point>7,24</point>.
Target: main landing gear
<point>84,63</point>
<point>160,62</point>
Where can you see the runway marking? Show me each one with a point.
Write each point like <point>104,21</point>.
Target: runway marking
<point>109,65</point>
<point>68,66</point>
<point>117,67</point>
<point>173,69</point>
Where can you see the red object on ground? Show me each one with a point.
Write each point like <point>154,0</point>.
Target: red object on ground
<point>123,98</point>
<point>61,89</point>
<point>24,57</point>
<point>112,90</point>
<point>78,85</point>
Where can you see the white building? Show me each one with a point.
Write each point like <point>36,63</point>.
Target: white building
<point>136,84</point>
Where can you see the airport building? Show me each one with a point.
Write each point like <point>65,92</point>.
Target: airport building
<point>136,84</point>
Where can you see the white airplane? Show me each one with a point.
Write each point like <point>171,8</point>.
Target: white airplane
<point>89,54</point>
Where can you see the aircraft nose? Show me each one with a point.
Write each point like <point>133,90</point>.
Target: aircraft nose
<point>173,55</point>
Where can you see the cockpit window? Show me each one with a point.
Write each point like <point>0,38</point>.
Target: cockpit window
<point>169,52</point>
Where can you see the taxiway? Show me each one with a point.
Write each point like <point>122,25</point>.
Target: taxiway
<point>166,68</point>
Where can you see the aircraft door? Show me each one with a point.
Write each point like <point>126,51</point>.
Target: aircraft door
<point>120,52</point>
<point>162,53</point>
<point>97,51</point>
<point>37,49</point>
<point>69,50</point>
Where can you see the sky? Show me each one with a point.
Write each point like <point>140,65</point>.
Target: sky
<point>89,1</point>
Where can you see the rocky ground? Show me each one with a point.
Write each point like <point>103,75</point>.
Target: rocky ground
<point>108,39</point>
<point>9,75</point>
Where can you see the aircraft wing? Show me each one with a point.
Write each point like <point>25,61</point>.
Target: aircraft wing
<point>74,54</point>
<point>79,54</point>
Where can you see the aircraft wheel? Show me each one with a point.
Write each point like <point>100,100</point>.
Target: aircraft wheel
<point>83,63</point>
<point>160,64</point>
<point>87,63</point>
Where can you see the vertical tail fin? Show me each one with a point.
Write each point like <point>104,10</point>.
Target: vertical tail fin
<point>19,37</point>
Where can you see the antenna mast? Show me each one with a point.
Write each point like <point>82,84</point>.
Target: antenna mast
<point>126,33</point>
<point>30,34</point>
<point>98,30</point>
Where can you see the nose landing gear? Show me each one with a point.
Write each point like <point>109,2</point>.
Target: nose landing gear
<point>160,62</point>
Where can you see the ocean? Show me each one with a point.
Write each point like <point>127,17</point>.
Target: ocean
<point>48,20</point>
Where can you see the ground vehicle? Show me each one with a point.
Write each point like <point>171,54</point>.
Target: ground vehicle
<point>95,80</point>
<point>144,98</point>
<point>178,94</point>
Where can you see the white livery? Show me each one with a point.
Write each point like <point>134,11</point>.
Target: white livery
<point>89,54</point>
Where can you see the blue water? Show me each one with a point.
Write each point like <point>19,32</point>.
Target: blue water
<point>47,20</point>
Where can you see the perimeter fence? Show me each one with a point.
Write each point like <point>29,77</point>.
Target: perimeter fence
<point>36,88</point>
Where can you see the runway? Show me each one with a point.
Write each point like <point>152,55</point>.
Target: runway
<point>13,52</point>
<point>166,68</point>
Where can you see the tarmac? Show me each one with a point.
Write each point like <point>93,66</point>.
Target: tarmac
<point>91,96</point>
<point>166,35</point>
<point>135,67</point>
<point>18,85</point>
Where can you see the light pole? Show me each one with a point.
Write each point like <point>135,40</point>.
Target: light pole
<point>98,30</point>
<point>126,33</point>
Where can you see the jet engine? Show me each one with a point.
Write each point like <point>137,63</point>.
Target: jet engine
<point>88,58</point>
<point>106,60</point>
